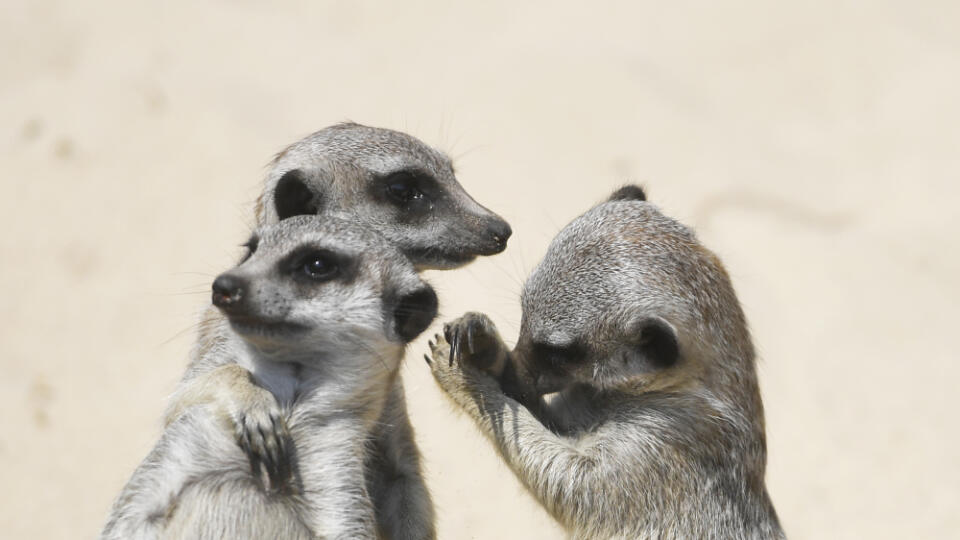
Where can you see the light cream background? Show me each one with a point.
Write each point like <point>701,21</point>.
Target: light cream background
<point>814,146</point>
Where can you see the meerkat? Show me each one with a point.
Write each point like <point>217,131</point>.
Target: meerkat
<point>630,405</point>
<point>318,315</point>
<point>405,190</point>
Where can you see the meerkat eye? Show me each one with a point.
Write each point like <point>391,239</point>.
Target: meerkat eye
<point>559,354</point>
<point>318,266</point>
<point>402,188</point>
<point>403,192</point>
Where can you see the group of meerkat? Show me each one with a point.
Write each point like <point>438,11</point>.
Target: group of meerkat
<point>629,407</point>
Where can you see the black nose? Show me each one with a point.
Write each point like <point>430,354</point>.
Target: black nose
<point>227,291</point>
<point>500,232</point>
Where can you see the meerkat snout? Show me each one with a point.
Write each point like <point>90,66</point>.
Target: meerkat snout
<point>227,291</point>
<point>499,231</point>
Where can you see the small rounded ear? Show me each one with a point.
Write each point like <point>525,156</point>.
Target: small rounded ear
<point>631,192</point>
<point>293,197</point>
<point>414,312</point>
<point>658,343</point>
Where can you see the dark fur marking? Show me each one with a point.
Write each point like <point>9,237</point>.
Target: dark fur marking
<point>658,343</point>
<point>630,192</point>
<point>414,313</point>
<point>293,197</point>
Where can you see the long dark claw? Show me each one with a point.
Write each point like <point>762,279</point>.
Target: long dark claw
<point>279,465</point>
<point>268,448</point>
<point>427,358</point>
<point>455,348</point>
<point>270,461</point>
<point>283,457</point>
<point>246,443</point>
<point>470,338</point>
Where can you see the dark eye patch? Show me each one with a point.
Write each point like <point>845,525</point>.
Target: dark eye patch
<point>559,355</point>
<point>317,264</point>
<point>409,189</point>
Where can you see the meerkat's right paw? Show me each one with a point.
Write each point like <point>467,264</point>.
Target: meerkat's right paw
<point>251,413</point>
<point>475,342</point>
<point>261,432</point>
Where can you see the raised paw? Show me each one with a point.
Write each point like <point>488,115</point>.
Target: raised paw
<point>460,382</point>
<point>440,364</point>
<point>475,342</point>
<point>439,351</point>
<point>263,436</point>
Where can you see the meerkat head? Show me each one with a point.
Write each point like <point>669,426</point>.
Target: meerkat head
<point>626,296</point>
<point>318,288</point>
<point>390,182</point>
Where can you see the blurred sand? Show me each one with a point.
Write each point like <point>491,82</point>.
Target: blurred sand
<point>814,146</point>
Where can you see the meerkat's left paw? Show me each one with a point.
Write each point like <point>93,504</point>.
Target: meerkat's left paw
<point>441,365</point>
<point>461,382</point>
<point>439,351</point>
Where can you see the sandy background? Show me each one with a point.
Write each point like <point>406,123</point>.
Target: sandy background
<point>814,147</point>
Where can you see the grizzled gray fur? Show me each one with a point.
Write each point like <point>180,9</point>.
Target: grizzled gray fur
<point>316,319</point>
<point>630,405</point>
<point>405,190</point>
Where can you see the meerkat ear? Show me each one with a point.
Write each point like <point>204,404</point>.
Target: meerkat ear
<point>414,312</point>
<point>630,192</point>
<point>657,343</point>
<point>293,197</point>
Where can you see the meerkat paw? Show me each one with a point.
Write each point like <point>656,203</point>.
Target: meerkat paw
<point>439,352</point>
<point>448,376</point>
<point>474,392</point>
<point>248,411</point>
<point>462,383</point>
<point>475,342</point>
<point>262,434</point>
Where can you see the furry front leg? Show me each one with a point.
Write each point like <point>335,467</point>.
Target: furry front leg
<point>564,478</point>
<point>475,343</point>
<point>452,376</point>
<point>330,454</point>
<point>187,450</point>
<point>250,413</point>
<point>403,505</point>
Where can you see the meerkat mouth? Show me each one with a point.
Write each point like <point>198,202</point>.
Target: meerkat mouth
<point>441,258</point>
<point>255,326</point>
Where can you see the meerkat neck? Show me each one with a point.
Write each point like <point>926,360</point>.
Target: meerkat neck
<point>320,380</point>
